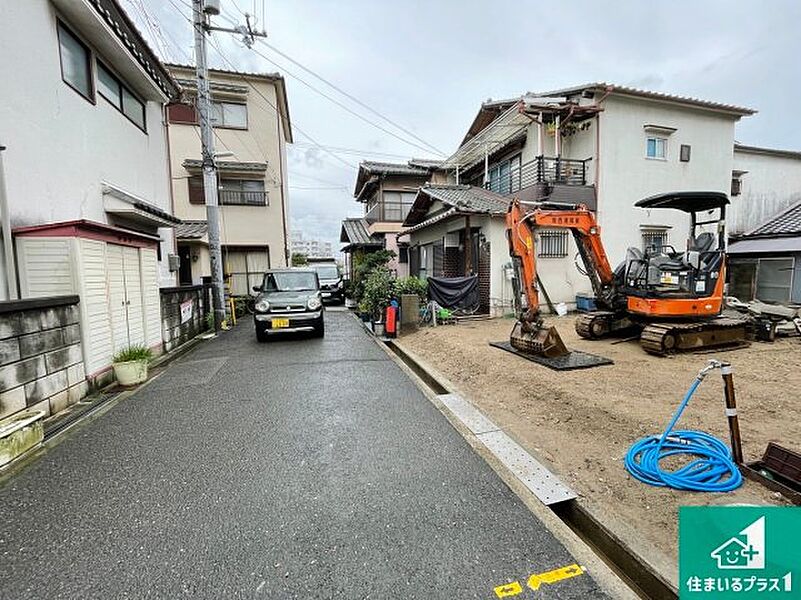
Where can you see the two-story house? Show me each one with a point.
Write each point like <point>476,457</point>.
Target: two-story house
<point>86,169</point>
<point>601,145</point>
<point>251,129</point>
<point>387,191</point>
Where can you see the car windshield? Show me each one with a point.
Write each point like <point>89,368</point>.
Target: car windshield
<point>288,281</point>
<point>327,271</point>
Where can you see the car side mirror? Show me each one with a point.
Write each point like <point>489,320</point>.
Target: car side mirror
<point>257,288</point>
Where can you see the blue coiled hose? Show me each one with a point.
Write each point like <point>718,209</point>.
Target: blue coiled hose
<point>712,471</point>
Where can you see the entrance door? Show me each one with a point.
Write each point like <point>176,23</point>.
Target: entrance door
<point>185,269</point>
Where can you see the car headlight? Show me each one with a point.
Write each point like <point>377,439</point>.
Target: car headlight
<point>313,303</point>
<point>262,306</point>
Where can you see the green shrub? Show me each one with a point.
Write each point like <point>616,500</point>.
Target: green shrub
<point>136,352</point>
<point>378,291</point>
<point>412,285</point>
<point>365,265</point>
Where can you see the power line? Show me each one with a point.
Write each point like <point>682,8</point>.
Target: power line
<point>429,147</point>
<point>357,152</point>
<point>259,92</point>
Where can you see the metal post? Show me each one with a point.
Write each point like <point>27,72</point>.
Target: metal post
<point>209,166</point>
<point>731,413</point>
<point>486,165</point>
<point>8,248</point>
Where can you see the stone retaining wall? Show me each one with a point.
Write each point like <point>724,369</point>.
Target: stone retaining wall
<point>176,330</point>
<point>41,361</point>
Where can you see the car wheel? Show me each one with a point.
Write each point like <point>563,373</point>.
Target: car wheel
<point>261,335</point>
<point>319,329</point>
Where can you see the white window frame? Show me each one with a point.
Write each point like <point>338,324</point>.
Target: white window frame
<point>219,105</point>
<point>657,139</point>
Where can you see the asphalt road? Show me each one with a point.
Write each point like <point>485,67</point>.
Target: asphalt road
<point>301,468</point>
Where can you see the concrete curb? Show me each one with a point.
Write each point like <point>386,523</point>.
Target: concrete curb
<point>601,572</point>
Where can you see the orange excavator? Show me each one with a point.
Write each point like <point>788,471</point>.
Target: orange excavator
<point>674,298</point>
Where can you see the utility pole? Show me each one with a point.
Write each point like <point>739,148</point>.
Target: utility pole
<point>8,248</point>
<point>201,11</point>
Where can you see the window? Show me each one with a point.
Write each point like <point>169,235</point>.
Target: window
<point>248,192</point>
<point>76,66</point>
<point>774,279</point>
<point>654,239</point>
<point>229,114</point>
<point>123,99</point>
<point>684,153</point>
<point>656,147</point>
<point>736,185</point>
<point>552,243</point>
<point>422,267</point>
<point>504,177</point>
<point>241,192</point>
<point>397,205</point>
<point>403,254</point>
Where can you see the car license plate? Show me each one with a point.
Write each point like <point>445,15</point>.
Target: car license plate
<point>280,323</point>
<point>326,294</point>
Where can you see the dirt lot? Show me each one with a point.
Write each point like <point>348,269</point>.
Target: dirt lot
<point>584,421</point>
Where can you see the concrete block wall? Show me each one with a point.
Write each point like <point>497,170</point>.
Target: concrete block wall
<point>41,361</point>
<point>173,331</point>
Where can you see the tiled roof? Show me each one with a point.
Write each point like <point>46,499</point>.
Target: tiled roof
<point>786,223</point>
<point>460,198</point>
<point>600,86</point>
<point>371,171</point>
<point>468,198</point>
<point>191,230</point>
<point>355,232</point>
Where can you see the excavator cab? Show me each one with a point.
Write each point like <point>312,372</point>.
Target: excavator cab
<point>666,281</point>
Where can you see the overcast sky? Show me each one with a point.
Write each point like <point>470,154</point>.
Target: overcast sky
<point>429,64</point>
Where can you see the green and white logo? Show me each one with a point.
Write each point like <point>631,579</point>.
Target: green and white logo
<point>740,552</point>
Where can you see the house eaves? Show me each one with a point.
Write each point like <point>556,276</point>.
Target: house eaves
<point>107,27</point>
<point>247,78</point>
<point>620,90</point>
<point>767,151</point>
<point>461,199</point>
<point>370,172</point>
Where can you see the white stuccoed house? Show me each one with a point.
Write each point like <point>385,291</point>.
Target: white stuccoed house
<point>603,145</point>
<point>87,168</point>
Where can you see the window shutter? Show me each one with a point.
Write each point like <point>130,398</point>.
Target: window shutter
<point>196,194</point>
<point>182,113</point>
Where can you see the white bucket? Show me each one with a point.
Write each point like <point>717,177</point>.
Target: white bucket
<point>561,309</point>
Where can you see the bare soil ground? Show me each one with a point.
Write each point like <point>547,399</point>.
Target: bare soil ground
<point>583,422</point>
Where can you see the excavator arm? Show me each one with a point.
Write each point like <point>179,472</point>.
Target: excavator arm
<point>529,334</point>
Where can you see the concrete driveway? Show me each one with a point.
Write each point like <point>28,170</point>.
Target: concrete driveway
<point>301,468</point>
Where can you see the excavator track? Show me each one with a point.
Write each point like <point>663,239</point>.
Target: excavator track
<point>662,339</point>
<point>596,324</point>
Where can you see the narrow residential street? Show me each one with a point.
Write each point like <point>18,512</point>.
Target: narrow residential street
<point>301,468</point>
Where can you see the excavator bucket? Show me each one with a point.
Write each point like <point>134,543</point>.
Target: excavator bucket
<point>539,341</point>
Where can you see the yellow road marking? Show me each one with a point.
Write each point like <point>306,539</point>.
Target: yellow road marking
<point>551,577</point>
<point>508,590</point>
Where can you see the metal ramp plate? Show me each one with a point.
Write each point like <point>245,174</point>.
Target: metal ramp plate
<point>574,360</point>
<point>467,414</point>
<point>546,486</point>
<point>539,480</point>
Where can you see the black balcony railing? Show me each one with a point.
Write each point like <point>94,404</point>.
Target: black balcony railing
<point>242,197</point>
<point>543,169</point>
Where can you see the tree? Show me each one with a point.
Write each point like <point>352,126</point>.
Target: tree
<point>299,259</point>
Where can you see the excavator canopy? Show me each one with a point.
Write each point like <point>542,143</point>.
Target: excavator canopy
<point>688,202</point>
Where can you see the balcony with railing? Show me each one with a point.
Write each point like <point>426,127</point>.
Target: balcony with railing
<point>235,197</point>
<point>388,212</point>
<point>543,169</point>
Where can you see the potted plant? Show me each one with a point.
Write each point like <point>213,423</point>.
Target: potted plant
<point>378,291</point>
<point>130,364</point>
